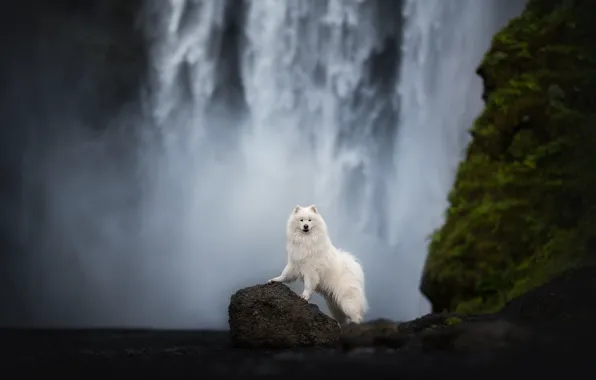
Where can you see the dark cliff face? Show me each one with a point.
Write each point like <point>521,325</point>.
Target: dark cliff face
<point>86,56</point>
<point>524,202</point>
<point>68,66</point>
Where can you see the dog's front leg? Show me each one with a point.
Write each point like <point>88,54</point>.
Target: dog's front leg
<point>286,275</point>
<point>310,284</point>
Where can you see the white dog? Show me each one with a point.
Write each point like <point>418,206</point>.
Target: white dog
<point>331,272</point>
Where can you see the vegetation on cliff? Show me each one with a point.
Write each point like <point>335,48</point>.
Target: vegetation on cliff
<point>523,207</point>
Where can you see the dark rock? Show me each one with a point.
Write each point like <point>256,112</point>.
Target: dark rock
<point>382,332</point>
<point>557,301</point>
<point>435,332</point>
<point>431,321</point>
<point>273,316</point>
<point>472,336</point>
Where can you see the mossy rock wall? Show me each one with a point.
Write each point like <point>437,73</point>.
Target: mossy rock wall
<point>523,207</point>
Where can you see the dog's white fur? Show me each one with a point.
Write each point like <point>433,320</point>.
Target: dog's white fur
<point>331,272</point>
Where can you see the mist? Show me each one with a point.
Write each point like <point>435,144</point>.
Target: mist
<point>147,188</point>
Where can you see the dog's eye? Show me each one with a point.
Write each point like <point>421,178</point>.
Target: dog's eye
<point>302,220</point>
<point>310,220</point>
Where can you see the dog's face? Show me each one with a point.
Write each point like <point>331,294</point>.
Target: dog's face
<point>305,219</point>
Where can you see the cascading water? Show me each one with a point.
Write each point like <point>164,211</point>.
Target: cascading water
<point>319,124</point>
<point>358,106</point>
<point>316,125</point>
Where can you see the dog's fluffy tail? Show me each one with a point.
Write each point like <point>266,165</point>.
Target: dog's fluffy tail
<point>353,300</point>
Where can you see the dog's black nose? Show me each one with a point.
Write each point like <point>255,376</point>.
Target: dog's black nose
<point>305,227</point>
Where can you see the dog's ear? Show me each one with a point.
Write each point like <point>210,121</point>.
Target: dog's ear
<point>313,208</point>
<point>297,208</point>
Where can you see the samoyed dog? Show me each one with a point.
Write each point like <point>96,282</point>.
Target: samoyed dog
<point>334,274</point>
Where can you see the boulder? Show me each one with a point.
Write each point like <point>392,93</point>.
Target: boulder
<point>436,332</point>
<point>274,316</point>
<point>473,336</point>
<point>378,333</point>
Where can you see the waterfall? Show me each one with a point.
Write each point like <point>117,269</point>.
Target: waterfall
<point>251,107</point>
<point>328,115</point>
<point>315,125</point>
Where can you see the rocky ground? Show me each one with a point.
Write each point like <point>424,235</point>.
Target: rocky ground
<point>548,332</point>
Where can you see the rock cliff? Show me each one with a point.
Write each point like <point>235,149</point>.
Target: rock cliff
<point>523,205</point>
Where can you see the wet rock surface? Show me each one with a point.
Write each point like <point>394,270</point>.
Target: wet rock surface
<point>273,316</point>
<point>436,332</point>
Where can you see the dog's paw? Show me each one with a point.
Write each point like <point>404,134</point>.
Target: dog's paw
<point>304,297</point>
<point>271,281</point>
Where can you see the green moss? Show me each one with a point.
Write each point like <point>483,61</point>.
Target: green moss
<point>523,207</point>
<point>453,321</point>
